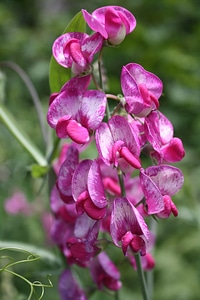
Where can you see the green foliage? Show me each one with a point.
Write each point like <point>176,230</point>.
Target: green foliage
<point>9,263</point>
<point>165,42</point>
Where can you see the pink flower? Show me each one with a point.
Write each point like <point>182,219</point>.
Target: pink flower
<point>18,204</point>
<point>105,273</point>
<point>76,50</point>
<point>117,145</point>
<point>128,227</point>
<point>69,288</point>
<point>160,133</point>
<point>67,169</point>
<point>159,183</point>
<point>82,244</point>
<point>76,111</point>
<point>88,189</point>
<point>141,90</point>
<point>112,22</point>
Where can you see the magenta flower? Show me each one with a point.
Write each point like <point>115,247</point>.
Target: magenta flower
<point>64,180</point>
<point>88,189</point>
<point>160,133</point>
<point>76,111</point>
<point>104,273</point>
<point>76,50</point>
<point>82,244</point>
<point>128,227</point>
<point>159,183</point>
<point>141,90</point>
<point>116,144</point>
<point>18,204</point>
<point>112,22</point>
<point>60,209</point>
<point>69,288</point>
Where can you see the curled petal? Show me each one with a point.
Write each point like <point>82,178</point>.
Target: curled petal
<point>169,208</point>
<point>130,158</point>
<point>174,151</point>
<point>77,132</point>
<point>138,245</point>
<point>114,26</point>
<point>63,56</point>
<point>61,127</point>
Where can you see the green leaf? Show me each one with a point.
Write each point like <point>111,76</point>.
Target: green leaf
<point>38,171</point>
<point>7,118</point>
<point>58,75</point>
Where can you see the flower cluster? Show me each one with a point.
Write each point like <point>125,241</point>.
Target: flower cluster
<point>106,200</point>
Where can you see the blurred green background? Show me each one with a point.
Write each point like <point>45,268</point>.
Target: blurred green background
<point>166,42</point>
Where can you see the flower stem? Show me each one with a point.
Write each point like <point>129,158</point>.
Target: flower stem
<point>20,136</point>
<point>33,93</point>
<point>141,277</point>
<point>121,182</point>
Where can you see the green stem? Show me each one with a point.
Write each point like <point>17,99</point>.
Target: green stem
<point>100,70</point>
<point>20,136</point>
<point>33,93</point>
<point>141,277</point>
<point>121,182</point>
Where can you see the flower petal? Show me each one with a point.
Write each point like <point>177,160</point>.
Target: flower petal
<point>94,23</point>
<point>67,169</point>
<point>95,186</point>
<point>77,132</point>
<point>92,110</point>
<point>69,288</point>
<point>125,217</point>
<point>168,179</point>
<point>104,143</point>
<point>80,177</point>
<point>154,199</point>
<point>65,59</point>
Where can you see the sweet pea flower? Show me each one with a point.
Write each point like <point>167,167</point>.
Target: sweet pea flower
<point>116,144</point>
<point>88,190</point>
<point>159,183</point>
<point>76,111</point>
<point>76,50</point>
<point>60,209</point>
<point>160,134</point>
<point>112,22</point>
<point>128,227</point>
<point>69,288</point>
<point>18,204</point>
<point>104,272</point>
<point>82,244</point>
<point>141,90</point>
<point>64,180</point>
